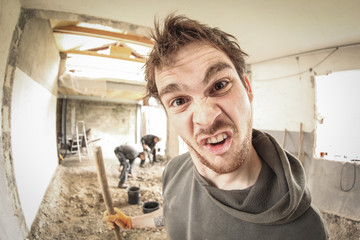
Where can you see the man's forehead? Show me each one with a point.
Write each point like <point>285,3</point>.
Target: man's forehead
<point>190,53</point>
<point>177,57</point>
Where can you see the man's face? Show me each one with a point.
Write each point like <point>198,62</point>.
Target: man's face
<point>208,106</point>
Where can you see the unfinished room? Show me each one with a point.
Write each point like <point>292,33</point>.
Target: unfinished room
<point>154,120</point>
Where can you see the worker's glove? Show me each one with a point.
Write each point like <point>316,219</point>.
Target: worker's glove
<point>119,219</point>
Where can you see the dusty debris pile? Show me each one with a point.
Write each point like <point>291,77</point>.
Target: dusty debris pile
<point>73,205</point>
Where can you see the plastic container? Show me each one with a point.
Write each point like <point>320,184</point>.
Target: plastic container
<point>134,195</point>
<point>149,207</point>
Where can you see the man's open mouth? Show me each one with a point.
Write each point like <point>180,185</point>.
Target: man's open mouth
<point>218,144</point>
<point>219,139</point>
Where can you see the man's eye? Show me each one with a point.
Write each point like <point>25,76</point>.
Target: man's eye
<point>178,102</point>
<point>220,85</point>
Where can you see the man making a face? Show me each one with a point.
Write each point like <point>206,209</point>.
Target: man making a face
<point>235,182</point>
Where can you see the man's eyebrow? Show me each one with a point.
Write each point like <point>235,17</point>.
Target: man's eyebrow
<point>173,87</point>
<point>214,69</point>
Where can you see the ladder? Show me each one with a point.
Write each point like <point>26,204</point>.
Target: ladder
<point>78,138</point>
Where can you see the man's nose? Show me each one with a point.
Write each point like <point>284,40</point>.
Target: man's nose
<point>205,112</point>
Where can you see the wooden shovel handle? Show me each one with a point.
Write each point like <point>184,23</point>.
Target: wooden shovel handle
<point>105,187</point>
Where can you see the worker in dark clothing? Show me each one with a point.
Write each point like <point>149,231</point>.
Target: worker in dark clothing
<point>148,143</point>
<point>127,155</point>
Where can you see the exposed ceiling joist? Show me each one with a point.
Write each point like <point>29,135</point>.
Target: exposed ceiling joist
<point>95,54</point>
<point>129,38</point>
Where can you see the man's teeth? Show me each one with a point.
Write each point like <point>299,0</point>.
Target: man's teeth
<point>216,139</point>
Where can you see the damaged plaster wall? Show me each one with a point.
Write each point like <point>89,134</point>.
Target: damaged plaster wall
<point>111,123</point>
<point>28,120</point>
<point>283,99</point>
<point>11,225</point>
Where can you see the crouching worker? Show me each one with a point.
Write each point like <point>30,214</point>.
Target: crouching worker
<point>236,182</point>
<point>149,220</point>
<point>149,145</point>
<point>127,155</point>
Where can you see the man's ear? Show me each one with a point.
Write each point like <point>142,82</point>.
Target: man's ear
<point>248,88</point>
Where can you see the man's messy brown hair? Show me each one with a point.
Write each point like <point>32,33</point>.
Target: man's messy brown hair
<point>179,31</point>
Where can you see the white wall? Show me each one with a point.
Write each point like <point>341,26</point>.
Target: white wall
<point>32,129</point>
<point>282,100</point>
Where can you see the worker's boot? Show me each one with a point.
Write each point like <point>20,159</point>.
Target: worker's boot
<point>122,185</point>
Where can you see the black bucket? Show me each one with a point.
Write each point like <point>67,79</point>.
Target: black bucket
<point>134,195</point>
<point>149,207</point>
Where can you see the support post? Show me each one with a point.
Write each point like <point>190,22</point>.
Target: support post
<point>284,138</point>
<point>300,141</point>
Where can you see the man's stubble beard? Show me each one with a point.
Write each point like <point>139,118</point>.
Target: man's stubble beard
<point>237,158</point>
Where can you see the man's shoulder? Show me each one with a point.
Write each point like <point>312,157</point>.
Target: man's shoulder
<point>148,136</point>
<point>316,223</point>
<point>125,147</point>
<point>180,160</point>
<point>179,164</point>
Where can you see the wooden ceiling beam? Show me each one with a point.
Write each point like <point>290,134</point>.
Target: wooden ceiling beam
<point>105,34</point>
<point>95,54</point>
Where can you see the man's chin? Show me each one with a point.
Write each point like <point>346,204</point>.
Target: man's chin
<point>221,167</point>
<point>219,164</point>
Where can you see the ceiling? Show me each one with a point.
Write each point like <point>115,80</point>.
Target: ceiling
<point>100,61</point>
<point>265,29</point>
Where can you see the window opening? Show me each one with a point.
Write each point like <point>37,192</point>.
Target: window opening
<point>338,116</point>
<point>156,124</point>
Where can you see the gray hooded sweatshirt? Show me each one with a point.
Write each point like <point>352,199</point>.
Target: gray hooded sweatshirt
<point>277,206</point>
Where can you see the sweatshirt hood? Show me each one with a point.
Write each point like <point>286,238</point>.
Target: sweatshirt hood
<point>279,194</point>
